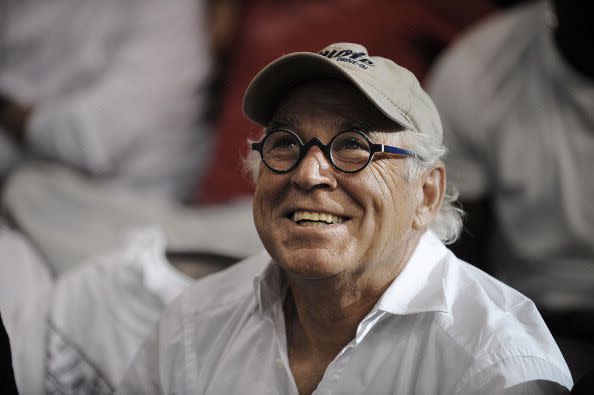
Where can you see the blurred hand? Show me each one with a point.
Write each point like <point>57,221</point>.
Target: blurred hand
<point>14,117</point>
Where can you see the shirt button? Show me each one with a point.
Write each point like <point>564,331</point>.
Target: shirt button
<point>279,362</point>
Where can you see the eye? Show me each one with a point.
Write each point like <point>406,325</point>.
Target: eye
<point>283,142</point>
<point>350,142</point>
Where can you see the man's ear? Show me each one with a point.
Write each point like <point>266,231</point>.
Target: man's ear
<point>432,185</point>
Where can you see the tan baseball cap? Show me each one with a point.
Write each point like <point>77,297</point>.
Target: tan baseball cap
<point>393,89</point>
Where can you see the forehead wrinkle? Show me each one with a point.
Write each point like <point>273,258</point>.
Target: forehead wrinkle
<point>287,121</point>
<point>294,123</point>
<point>357,124</point>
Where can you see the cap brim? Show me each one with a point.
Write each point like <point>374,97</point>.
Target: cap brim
<point>277,79</point>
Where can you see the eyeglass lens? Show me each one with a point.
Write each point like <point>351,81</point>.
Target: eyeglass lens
<point>349,150</point>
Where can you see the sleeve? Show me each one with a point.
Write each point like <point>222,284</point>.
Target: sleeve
<point>148,93</point>
<point>518,375</point>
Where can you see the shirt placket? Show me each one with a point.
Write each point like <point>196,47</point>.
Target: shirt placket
<point>333,380</point>
<point>276,319</point>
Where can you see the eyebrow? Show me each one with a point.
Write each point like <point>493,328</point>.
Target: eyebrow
<point>356,124</point>
<point>293,123</point>
<point>282,122</point>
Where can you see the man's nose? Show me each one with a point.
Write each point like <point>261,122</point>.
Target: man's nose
<point>315,170</point>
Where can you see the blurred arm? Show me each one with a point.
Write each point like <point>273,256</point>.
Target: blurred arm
<point>148,94</point>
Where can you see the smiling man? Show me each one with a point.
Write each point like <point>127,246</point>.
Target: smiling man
<point>356,292</point>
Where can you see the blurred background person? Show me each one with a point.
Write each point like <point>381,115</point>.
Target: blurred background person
<point>80,336</point>
<point>516,96</point>
<point>116,89</point>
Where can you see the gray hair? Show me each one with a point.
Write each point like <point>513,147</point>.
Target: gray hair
<point>447,224</point>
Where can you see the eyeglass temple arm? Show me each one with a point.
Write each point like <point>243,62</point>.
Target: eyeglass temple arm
<point>392,150</point>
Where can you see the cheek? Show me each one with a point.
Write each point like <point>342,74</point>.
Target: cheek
<point>262,212</point>
<point>260,201</point>
<point>262,198</point>
<point>385,186</point>
<point>268,193</point>
<point>392,199</point>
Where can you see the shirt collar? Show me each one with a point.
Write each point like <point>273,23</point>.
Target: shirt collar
<point>269,287</point>
<point>418,288</point>
<point>420,285</point>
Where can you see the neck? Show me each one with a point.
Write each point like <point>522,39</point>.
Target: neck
<point>323,319</point>
<point>322,315</point>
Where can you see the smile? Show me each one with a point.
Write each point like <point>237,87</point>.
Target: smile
<point>313,218</point>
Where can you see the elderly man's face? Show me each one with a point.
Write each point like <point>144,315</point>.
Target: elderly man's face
<point>376,206</point>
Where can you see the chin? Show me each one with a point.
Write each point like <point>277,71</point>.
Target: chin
<point>312,263</point>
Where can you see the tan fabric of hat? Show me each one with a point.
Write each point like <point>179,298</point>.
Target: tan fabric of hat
<point>391,88</point>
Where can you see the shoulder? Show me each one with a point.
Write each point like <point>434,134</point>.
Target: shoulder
<point>486,65</point>
<point>477,303</point>
<point>225,287</point>
<point>216,295</point>
<point>490,45</point>
<point>195,326</point>
<point>498,328</point>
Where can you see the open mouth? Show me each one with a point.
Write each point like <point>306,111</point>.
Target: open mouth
<point>315,218</point>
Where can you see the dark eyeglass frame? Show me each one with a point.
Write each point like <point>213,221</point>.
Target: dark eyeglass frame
<point>326,149</point>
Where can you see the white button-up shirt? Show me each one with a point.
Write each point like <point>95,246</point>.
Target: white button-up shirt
<point>442,327</point>
<point>79,337</point>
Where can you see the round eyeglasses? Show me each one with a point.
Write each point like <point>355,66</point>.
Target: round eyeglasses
<point>349,151</point>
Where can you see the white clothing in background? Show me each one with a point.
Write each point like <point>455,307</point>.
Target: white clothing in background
<point>70,218</point>
<point>95,318</point>
<point>23,273</point>
<point>519,126</point>
<point>119,88</point>
<point>442,327</point>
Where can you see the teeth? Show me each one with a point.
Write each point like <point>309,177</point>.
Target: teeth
<point>316,216</point>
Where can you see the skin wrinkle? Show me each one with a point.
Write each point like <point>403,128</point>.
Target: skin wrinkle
<point>285,122</point>
<point>448,222</point>
<point>379,180</point>
<point>377,174</point>
<point>397,137</point>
